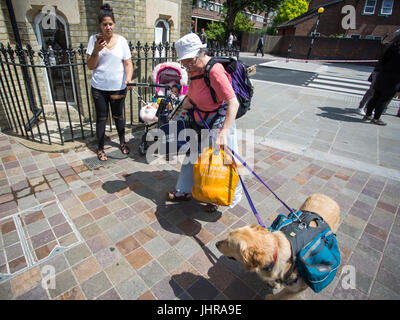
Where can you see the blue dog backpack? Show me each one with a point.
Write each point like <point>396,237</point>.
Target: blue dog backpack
<point>314,249</point>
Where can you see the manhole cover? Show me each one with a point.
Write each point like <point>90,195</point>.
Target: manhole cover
<point>34,235</point>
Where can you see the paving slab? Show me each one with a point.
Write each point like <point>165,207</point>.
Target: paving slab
<point>122,240</point>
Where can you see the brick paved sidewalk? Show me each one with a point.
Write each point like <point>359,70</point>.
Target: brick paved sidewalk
<point>115,237</point>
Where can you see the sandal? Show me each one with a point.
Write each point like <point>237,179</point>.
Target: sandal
<point>173,197</point>
<point>124,148</point>
<point>101,155</point>
<point>210,208</point>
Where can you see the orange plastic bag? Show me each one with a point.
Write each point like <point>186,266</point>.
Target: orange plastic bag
<point>215,178</point>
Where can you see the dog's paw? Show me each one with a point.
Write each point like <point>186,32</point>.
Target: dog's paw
<point>277,289</point>
<point>275,286</point>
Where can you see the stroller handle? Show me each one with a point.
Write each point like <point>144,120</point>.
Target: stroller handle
<point>149,85</point>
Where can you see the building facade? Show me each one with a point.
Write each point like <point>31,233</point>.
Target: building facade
<point>206,11</point>
<point>373,19</point>
<point>60,24</point>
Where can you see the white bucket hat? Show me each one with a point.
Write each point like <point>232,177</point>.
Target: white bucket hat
<point>188,46</point>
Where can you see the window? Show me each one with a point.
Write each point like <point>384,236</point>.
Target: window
<point>57,78</point>
<point>355,36</point>
<point>369,37</point>
<point>378,38</point>
<point>387,7</point>
<point>369,7</point>
<point>211,6</point>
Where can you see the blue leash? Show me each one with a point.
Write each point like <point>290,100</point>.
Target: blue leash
<point>233,154</point>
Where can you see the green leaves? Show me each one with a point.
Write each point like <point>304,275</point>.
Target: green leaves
<point>234,7</point>
<point>289,10</point>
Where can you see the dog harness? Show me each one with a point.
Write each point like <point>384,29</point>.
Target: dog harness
<point>296,228</point>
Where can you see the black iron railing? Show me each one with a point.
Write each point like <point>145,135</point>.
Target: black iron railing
<point>45,95</point>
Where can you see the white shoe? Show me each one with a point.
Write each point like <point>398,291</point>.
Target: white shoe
<point>360,111</point>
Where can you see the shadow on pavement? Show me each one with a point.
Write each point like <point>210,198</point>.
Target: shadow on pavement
<point>225,275</point>
<point>220,279</point>
<point>340,114</point>
<point>169,214</point>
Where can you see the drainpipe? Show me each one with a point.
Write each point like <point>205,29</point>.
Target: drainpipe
<point>25,74</point>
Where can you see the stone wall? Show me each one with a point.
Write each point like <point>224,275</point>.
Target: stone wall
<point>249,43</point>
<point>4,37</point>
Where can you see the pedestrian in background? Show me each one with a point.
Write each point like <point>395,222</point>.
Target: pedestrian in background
<point>370,92</point>
<point>372,78</point>
<point>260,46</point>
<point>230,40</point>
<point>387,82</point>
<point>203,36</point>
<point>235,41</point>
<point>398,112</point>
<point>109,57</point>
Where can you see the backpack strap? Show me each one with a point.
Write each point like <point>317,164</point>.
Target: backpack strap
<point>206,74</point>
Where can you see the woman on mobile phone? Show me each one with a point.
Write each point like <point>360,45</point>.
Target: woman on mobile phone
<point>109,57</point>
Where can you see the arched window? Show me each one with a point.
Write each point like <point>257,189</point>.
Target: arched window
<point>161,31</point>
<point>56,39</point>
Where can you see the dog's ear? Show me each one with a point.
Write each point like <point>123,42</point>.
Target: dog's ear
<point>253,258</point>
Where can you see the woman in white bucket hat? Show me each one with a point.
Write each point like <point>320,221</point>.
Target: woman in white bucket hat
<point>219,116</point>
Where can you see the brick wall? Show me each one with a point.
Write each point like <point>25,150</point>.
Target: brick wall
<point>186,17</point>
<point>330,22</point>
<point>249,43</point>
<point>331,48</point>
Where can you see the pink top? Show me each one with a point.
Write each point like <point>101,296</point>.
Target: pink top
<point>200,94</point>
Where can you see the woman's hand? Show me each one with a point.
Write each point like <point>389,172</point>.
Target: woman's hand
<point>187,104</point>
<point>126,83</point>
<point>99,44</point>
<point>222,138</point>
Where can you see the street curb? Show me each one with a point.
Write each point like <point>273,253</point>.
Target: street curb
<point>68,146</point>
<point>53,148</point>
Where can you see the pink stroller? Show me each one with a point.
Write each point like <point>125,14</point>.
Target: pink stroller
<point>165,105</point>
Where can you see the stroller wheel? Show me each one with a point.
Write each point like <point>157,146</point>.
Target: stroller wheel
<point>142,148</point>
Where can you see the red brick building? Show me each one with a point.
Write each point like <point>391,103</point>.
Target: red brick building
<point>374,19</point>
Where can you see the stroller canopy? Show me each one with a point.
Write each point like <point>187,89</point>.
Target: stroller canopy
<point>170,73</point>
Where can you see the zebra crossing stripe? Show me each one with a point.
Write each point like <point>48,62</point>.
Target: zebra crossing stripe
<point>341,84</point>
<point>344,79</point>
<point>340,89</point>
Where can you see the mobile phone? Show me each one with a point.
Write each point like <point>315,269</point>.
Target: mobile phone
<point>100,37</point>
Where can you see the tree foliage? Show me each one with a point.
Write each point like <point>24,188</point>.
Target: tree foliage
<point>290,9</point>
<point>234,7</point>
<point>242,23</point>
<point>217,30</point>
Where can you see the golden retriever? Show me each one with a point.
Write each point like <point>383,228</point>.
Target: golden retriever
<point>270,254</point>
